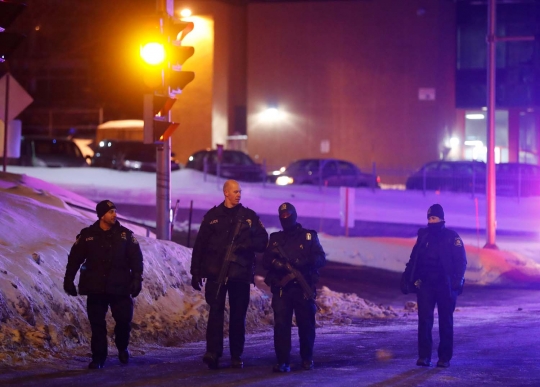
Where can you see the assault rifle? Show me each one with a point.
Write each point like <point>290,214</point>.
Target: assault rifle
<point>223,278</point>
<point>295,274</point>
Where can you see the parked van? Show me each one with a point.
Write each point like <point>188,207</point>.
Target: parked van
<point>40,151</point>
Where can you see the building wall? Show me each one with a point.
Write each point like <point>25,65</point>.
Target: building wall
<point>350,72</point>
<point>206,107</point>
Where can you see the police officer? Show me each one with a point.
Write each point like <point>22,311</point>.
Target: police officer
<point>214,238</point>
<point>435,271</point>
<point>111,265</point>
<point>304,253</point>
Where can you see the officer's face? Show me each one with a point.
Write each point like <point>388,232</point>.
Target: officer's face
<point>110,217</point>
<point>434,219</point>
<point>233,194</point>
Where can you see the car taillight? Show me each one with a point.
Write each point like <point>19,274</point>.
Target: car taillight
<point>378,179</point>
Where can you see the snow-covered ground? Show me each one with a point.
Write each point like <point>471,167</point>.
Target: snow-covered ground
<point>37,228</point>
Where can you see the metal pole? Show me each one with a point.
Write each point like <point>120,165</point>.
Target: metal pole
<point>6,121</point>
<point>189,223</point>
<point>163,191</point>
<point>490,171</point>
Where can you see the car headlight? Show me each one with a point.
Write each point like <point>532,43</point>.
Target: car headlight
<point>284,180</point>
<point>132,164</point>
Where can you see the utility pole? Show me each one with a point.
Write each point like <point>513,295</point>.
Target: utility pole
<point>492,40</point>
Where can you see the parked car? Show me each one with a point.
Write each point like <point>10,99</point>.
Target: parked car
<point>517,179</point>
<point>127,155</point>
<point>234,165</point>
<point>331,172</point>
<point>40,151</point>
<point>458,176</point>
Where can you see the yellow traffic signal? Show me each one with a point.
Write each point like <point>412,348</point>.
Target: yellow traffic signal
<point>153,53</point>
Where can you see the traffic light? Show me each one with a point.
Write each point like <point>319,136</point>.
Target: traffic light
<point>157,127</point>
<point>153,53</point>
<point>9,41</point>
<point>163,55</point>
<point>179,54</point>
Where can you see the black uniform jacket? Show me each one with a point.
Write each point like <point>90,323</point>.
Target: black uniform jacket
<point>304,252</point>
<point>215,237</point>
<point>107,259</point>
<point>451,254</point>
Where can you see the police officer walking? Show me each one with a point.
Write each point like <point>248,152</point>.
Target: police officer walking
<point>435,272</point>
<point>111,265</point>
<point>229,236</point>
<point>300,249</point>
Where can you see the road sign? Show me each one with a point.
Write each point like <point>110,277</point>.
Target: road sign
<point>18,98</point>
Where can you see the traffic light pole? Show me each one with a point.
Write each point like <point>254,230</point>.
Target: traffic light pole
<point>163,190</point>
<point>492,40</point>
<point>6,121</point>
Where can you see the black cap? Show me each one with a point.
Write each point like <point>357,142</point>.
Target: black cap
<point>436,210</point>
<point>286,208</point>
<point>287,216</point>
<point>103,207</point>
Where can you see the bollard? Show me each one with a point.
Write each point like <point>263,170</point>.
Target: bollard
<point>189,223</point>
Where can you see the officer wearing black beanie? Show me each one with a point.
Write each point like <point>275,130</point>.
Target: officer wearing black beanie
<point>304,252</point>
<point>111,264</point>
<point>435,272</point>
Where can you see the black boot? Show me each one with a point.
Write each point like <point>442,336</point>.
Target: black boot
<point>123,356</point>
<point>283,367</point>
<point>211,360</point>
<point>307,365</point>
<point>237,362</point>
<point>424,362</point>
<point>96,364</point>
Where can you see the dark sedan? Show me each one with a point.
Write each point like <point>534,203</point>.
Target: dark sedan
<point>331,172</point>
<point>516,179</point>
<point>233,165</point>
<point>457,176</point>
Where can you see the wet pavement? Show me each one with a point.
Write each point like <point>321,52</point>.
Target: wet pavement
<point>497,336</point>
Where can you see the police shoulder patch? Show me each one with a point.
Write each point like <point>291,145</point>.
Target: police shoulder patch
<point>308,236</point>
<point>458,242</point>
<point>214,221</point>
<point>249,222</point>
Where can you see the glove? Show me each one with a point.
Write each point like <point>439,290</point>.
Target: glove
<point>69,287</point>
<point>279,265</point>
<point>136,285</point>
<point>196,282</point>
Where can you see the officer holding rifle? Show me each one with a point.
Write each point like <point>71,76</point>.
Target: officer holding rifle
<point>224,254</point>
<point>292,259</point>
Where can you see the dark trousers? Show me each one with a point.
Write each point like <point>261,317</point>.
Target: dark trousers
<point>238,305</point>
<point>122,312</point>
<point>428,296</point>
<point>291,299</point>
